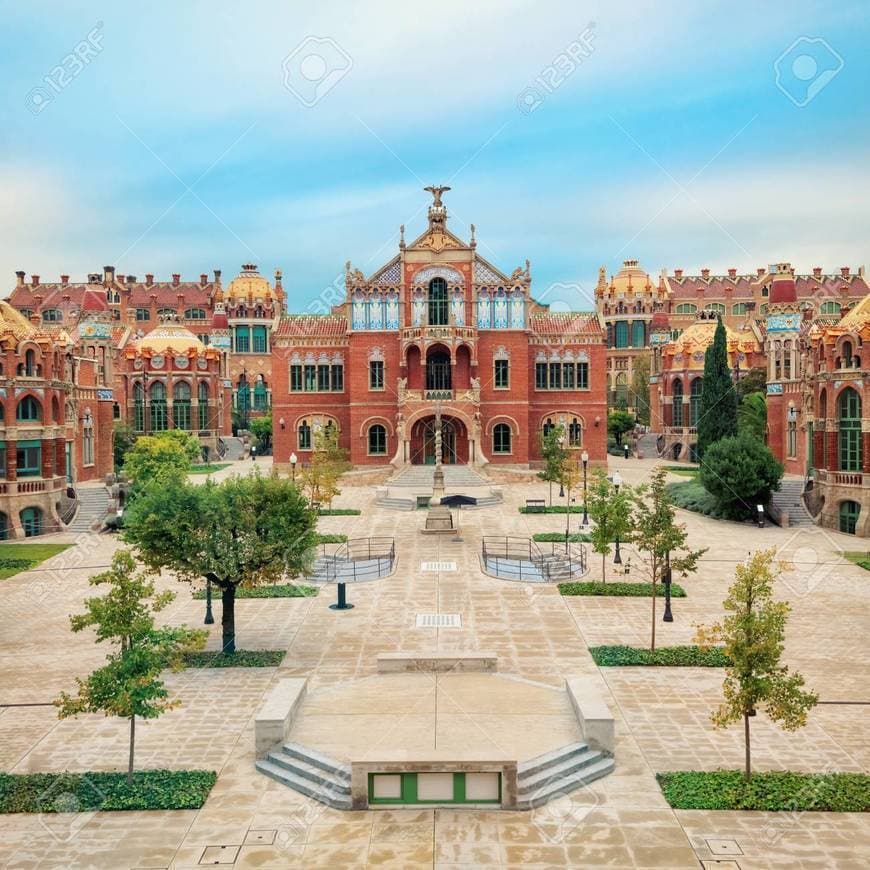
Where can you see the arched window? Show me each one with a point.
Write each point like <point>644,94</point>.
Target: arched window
<point>87,439</point>
<point>575,433</point>
<point>30,363</point>
<point>548,426</point>
<point>52,315</point>
<point>501,438</point>
<point>677,395</point>
<point>638,333</point>
<point>261,396</point>
<point>738,308</point>
<point>849,513</point>
<point>194,314</point>
<point>181,405</point>
<point>695,401</point>
<point>159,421</point>
<point>377,440</point>
<point>138,407</point>
<point>715,308</point>
<point>29,409</point>
<point>31,521</point>
<point>849,415</point>
<point>166,312</point>
<point>304,436</point>
<point>846,355</point>
<point>438,302</point>
<point>438,371</point>
<point>202,393</point>
<point>830,307</point>
<point>686,308</point>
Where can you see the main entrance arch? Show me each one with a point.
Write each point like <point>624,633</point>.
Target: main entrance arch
<point>454,441</point>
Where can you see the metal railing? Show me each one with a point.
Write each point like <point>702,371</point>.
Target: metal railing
<point>356,559</point>
<point>524,559</point>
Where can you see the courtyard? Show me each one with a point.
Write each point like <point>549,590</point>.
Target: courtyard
<point>540,637</point>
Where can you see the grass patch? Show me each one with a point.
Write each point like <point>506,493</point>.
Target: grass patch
<point>331,539</point>
<point>68,792</point>
<point>22,557</point>
<point>779,790</point>
<point>559,537</point>
<point>552,509</point>
<point>683,470</point>
<point>241,658</point>
<point>338,512</point>
<point>862,560</point>
<point>208,469</point>
<point>279,590</point>
<point>666,656</point>
<point>627,590</point>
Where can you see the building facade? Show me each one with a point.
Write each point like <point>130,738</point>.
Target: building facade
<point>439,332</point>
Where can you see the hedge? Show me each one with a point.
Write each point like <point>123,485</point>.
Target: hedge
<point>691,496</point>
<point>779,790</point>
<point>241,658</point>
<point>77,792</point>
<point>551,509</point>
<point>620,589</point>
<point>666,656</point>
<point>331,539</point>
<point>338,512</point>
<point>208,469</point>
<point>279,590</point>
<point>559,537</point>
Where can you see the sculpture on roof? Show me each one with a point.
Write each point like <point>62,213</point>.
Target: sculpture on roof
<point>436,194</point>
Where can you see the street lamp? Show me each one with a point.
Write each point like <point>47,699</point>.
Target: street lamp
<point>584,456</point>
<point>617,482</point>
<point>293,460</point>
<point>561,440</point>
<point>668,616</point>
<point>209,616</point>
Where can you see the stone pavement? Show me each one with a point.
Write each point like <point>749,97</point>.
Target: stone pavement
<point>662,715</point>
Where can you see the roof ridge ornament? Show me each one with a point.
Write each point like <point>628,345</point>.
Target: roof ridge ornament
<point>437,211</point>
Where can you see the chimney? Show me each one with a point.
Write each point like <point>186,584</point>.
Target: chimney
<point>131,279</point>
<point>109,274</point>
<point>203,279</point>
<point>20,276</point>
<point>149,279</point>
<point>844,271</point>
<point>705,273</point>
<point>732,272</point>
<point>34,318</point>
<point>278,276</point>
<point>34,280</point>
<point>760,271</point>
<point>64,279</point>
<point>176,279</point>
<point>817,271</point>
<point>678,273</point>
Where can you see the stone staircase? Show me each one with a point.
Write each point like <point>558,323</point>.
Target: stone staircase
<point>309,772</point>
<point>646,444</point>
<point>789,499</point>
<point>93,504</point>
<point>408,504</point>
<point>455,476</point>
<point>235,449</point>
<point>559,772</point>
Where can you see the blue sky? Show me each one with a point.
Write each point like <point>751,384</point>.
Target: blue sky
<point>177,146</point>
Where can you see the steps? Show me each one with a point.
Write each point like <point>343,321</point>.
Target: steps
<point>559,772</point>
<point>235,449</point>
<point>410,504</point>
<point>93,503</point>
<point>309,772</point>
<point>647,445</point>
<point>789,499</point>
<point>423,475</point>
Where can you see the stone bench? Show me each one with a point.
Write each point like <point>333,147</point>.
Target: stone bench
<point>455,662</point>
<point>273,720</point>
<point>593,714</point>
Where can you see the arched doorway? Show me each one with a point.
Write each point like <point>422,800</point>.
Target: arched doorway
<point>454,441</point>
<point>438,369</point>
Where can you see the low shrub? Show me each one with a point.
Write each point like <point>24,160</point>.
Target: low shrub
<point>779,790</point>
<point>559,537</point>
<point>241,658</point>
<point>666,656</point>
<point>79,792</point>
<point>279,590</point>
<point>639,590</point>
<point>684,470</point>
<point>208,469</point>
<point>338,512</point>
<point>551,509</point>
<point>691,496</point>
<point>330,539</point>
<point>17,564</point>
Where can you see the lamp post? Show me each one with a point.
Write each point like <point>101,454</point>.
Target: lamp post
<point>561,440</point>
<point>209,616</point>
<point>617,482</point>
<point>668,616</point>
<point>293,460</point>
<point>585,459</point>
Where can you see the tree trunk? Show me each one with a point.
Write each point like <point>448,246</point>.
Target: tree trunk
<point>551,493</point>
<point>748,771</point>
<point>603,565</point>
<point>228,617</point>
<point>653,639</point>
<point>132,748</point>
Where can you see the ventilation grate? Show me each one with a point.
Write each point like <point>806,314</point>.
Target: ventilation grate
<point>439,620</point>
<point>438,566</point>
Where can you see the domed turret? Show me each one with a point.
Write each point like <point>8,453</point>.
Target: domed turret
<point>249,285</point>
<point>170,336</point>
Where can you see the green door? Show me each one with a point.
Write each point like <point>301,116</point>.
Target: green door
<point>849,511</point>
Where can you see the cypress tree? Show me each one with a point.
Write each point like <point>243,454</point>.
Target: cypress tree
<point>717,417</point>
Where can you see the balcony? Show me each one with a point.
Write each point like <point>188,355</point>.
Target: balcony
<point>469,395</point>
<point>842,478</point>
<point>435,333</point>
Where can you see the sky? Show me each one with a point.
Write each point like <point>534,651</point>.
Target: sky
<point>191,136</point>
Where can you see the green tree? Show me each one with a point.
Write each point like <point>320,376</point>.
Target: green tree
<point>328,462</point>
<point>754,381</point>
<point>124,439</point>
<point>752,416</point>
<point>662,541</point>
<point>640,387</point>
<point>129,684</point>
<point>261,429</point>
<point>553,452</point>
<point>618,423</point>
<point>717,417</point>
<point>753,634</point>
<point>740,473</point>
<point>160,457</point>
<point>610,512</point>
<point>244,531</point>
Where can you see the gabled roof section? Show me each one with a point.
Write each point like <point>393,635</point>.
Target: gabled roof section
<point>565,323</point>
<point>389,275</point>
<point>311,326</point>
<point>486,273</point>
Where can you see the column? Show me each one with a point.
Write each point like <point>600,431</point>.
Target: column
<point>818,449</point>
<point>11,459</point>
<point>833,461</point>
<point>47,469</point>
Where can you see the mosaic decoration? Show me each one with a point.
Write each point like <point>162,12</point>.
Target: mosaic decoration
<point>484,310</point>
<point>358,318</point>
<point>518,310</point>
<point>774,389</point>
<point>392,310</point>
<point>95,330</point>
<point>783,322</point>
<point>376,312</point>
<point>457,308</point>
<point>500,310</point>
<point>418,308</point>
<point>424,276</point>
<point>104,394</point>
<point>486,274</point>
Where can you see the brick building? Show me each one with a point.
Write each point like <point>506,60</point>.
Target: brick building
<point>439,327</point>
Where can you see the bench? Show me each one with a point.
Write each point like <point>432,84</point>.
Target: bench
<point>273,720</point>
<point>536,505</point>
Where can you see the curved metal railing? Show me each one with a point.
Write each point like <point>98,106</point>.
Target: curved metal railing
<point>356,559</point>
<point>517,558</point>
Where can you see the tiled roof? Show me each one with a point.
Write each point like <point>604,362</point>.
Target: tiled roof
<point>688,286</point>
<point>563,323</point>
<point>313,325</point>
<point>140,293</point>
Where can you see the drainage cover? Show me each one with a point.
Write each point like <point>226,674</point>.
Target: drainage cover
<point>439,620</point>
<point>438,566</point>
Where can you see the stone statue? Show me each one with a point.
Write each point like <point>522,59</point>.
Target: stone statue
<point>436,194</point>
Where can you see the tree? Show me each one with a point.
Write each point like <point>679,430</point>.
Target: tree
<point>640,387</point>
<point>753,634</point>
<point>244,531</point>
<point>124,439</point>
<point>261,429</point>
<point>129,684</point>
<point>752,416</point>
<point>618,423</point>
<point>570,478</point>
<point>328,462</point>
<point>660,538</point>
<point>740,473</point>
<point>717,417</point>
<point>610,512</point>
<point>553,451</point>
<point>754,381</point>
<point>160,457</point>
